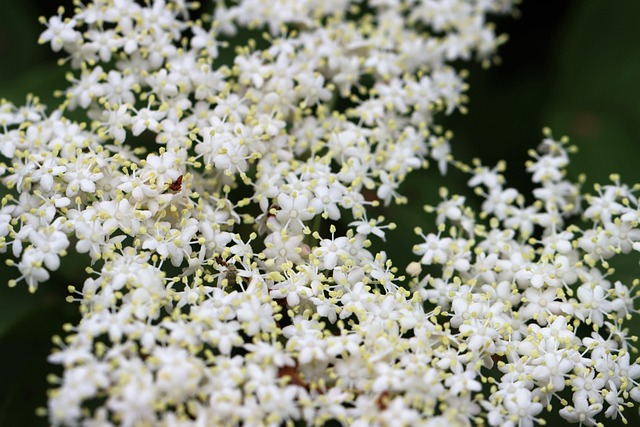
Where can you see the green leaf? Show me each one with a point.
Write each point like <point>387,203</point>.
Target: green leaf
<point>42,81</point>
<point>24,347</point>
<point>15,304</point>
<point>19,31</point>
<point>597,87</point>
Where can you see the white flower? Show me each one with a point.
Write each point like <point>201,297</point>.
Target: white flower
<point>435,249</point>
<point>593,303</point>
<point>60,32</point>
<point>550,371</point>
<point>31,267</point>
<point>499,201</point>
<point>583,412</point>
<point>293,211</point>
<point>522,406</point>
<point>540,304</point>
<point>82,176</point>
<point>462,381</point>
<point>171,243</point>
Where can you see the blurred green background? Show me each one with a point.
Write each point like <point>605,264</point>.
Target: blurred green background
<point>570,65</point>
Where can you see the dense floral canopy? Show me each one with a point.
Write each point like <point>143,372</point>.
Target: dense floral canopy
<point>225,194</point>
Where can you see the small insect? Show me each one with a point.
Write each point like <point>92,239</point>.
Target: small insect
<point>232,275</point>
<point>232,272</point>
<point>382,401</point>
<point>177,184</point>
<point>292,375</point>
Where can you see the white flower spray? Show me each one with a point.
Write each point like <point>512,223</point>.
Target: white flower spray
<point>224,194</point>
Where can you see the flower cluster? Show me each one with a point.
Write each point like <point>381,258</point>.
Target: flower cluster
<point>529,292</point>
<point>223,188</point>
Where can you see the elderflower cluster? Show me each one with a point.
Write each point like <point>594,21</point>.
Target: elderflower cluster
<point>525,288</point>
<point>223,189</point>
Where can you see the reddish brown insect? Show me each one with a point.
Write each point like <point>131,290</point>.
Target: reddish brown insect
<point>291,372</point>
<point>177,184</point>
<point>382,401</point>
